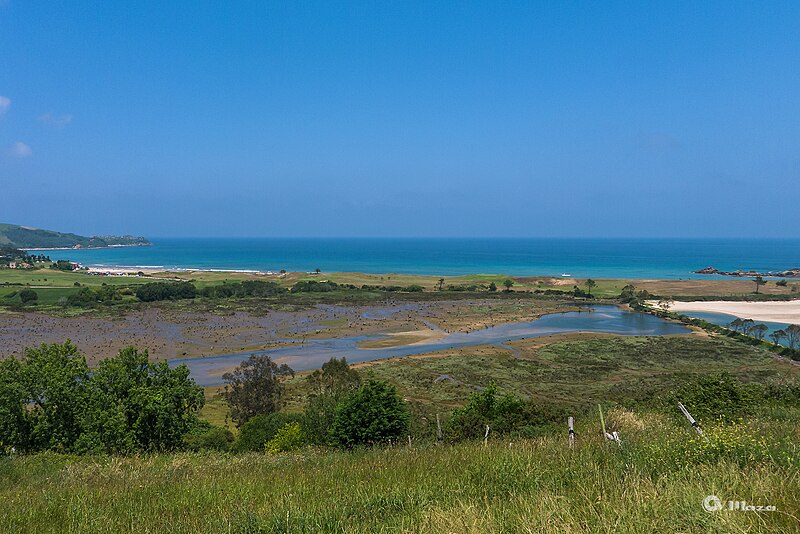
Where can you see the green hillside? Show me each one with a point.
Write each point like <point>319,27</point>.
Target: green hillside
<point>27,237</point>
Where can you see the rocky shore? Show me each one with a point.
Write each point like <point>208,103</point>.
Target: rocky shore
<point>789,273</point>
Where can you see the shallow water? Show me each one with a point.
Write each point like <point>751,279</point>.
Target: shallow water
<point>311,354</point>
<point>724,319</point>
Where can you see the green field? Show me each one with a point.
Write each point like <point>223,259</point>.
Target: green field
<point>54,286</point>
<point>655,482</point>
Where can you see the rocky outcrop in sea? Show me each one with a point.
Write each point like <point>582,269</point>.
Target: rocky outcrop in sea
<point>789,273</point>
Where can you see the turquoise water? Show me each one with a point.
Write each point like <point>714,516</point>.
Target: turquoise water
<point>313,353</point>
<point>723,319</point>
<point>599,258</point>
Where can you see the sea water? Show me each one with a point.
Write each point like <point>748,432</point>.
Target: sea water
<point>598,258</point>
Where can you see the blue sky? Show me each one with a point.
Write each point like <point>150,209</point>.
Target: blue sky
<point>401,118</point>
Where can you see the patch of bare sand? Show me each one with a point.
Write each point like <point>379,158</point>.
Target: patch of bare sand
<point>399,339</point>
<point>774,311</point>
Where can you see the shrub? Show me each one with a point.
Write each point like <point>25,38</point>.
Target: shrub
<point>247,288</point>
<point>256,432</point>
<point>312,286</point>
<point>28,296</point>
<point>288,438</point>
<point>206,436</point>
<point>50,401</point>
<point>327,387</point>
<point>374,414</point>
<point>154,291</point>
<point>715,397</point>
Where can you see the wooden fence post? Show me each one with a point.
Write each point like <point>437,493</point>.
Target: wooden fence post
<point>570,423</point>
<point>438,429</point>
<point>486,436</point>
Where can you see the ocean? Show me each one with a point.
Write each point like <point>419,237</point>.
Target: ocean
<point>598,258</point>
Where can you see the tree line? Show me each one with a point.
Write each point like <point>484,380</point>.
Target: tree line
<point>51,400</point>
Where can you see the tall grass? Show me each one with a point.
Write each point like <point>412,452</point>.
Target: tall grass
<point>655,482</point>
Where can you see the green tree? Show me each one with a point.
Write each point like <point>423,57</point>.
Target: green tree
<point>758,331</point>
<point>255,387</point>
<point>374,414</point>
<point>55,378</point>
<point>327,387</point>
<point>508,283</point>
<point>759,281</point>
<point>14,429</point>
<point>628,294</point>
<point>440,284</point>
<point>133,405</point>
<point>777,336</point>
<point>590,284</point>
<point>28,296</point>
<point>747,326</point>
<point>492,287</point>
<point>793,335</point>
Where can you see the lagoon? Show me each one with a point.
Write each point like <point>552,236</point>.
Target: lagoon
<point>311,354</point>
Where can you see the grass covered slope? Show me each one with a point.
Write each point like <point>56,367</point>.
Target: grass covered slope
<point>27,237</point>
<point>573,370</point>
<point>655,483</point>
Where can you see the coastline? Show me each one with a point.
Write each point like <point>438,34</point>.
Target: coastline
<point>88,248</point>
<point>596,258</point>
<point>787,312</point>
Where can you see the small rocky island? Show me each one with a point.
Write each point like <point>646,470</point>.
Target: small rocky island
<point>789,273</point>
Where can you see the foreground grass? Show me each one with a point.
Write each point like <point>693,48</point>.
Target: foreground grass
<point>650,484</point>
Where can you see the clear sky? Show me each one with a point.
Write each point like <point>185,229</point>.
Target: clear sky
<point>401,118</point>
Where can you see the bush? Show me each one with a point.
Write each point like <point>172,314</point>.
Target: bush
<point>155,291</point>
<point>260,429</point>
<point>28,296</point>
<point>327,386</point>
<point>312,286</point>
<point>719,397</point>
<point>247,288</point>
<point>50,401</point>
<point>288,438</point>
<point>374,414</point>
<point>208,437</point>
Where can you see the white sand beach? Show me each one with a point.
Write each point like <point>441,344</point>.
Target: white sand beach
<point>777,311</point>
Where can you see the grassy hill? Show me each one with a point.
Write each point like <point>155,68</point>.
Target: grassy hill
<point>655,482</point>
<point>25,237</point>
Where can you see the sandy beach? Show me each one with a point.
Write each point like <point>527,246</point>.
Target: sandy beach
<point>779,312</point>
